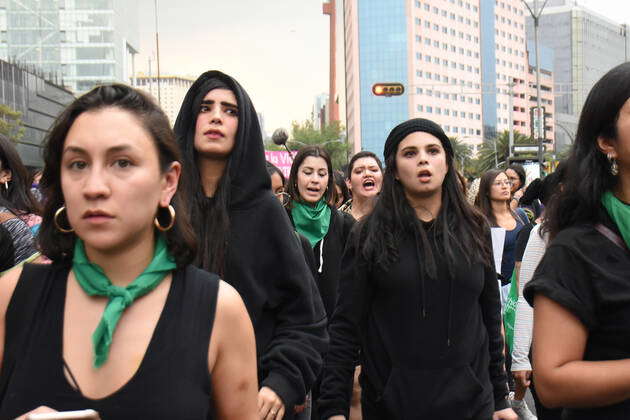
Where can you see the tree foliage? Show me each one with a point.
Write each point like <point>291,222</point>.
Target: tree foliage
<point>494,153</point>
<point>330,137</point>
<point>11,123</point>
<point>463,153</point>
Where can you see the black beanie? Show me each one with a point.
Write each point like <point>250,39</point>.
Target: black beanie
<point>402,130</point>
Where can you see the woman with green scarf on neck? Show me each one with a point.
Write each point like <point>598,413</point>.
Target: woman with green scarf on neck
<point>581,288</point>
<point>311,188</point>
<point>120,322</point>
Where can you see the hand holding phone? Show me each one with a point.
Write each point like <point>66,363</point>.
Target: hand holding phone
<point>65,415</point>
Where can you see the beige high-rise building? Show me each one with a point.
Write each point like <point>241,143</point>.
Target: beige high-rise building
<point>463,64</point>
<point>172,91</point>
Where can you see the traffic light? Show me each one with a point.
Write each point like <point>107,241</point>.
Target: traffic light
<point>388,89</point>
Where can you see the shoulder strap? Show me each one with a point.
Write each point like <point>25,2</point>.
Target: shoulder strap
<point>19,317</point>
<point>612,236</point>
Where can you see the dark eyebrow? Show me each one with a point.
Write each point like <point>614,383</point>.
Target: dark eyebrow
<point>73,149</point>
<point>115,149</point>
<point>210,102</point>
<point>409,148</point>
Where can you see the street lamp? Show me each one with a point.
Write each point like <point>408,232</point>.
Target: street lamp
<point>536,17</point>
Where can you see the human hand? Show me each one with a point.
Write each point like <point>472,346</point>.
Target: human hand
<point>523,377</point>
<point>505,414</point>
<point>270,406</point>
<point>38,410</point>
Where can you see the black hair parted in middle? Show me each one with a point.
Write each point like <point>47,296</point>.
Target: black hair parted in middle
<point>57,246</point>
<point>462,229</point>
<point>245,177</point>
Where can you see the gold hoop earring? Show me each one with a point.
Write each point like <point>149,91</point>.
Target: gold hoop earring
<point>614,168</point>
<point>161,228</point>
<point>56,222</point>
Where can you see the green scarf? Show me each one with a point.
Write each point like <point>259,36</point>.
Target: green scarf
<point>95,283</point>
<point>620,213</point>
<point>311,221</point>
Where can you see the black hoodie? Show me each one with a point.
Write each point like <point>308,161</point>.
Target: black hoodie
<point>430,348</point>
<point>263,259</point>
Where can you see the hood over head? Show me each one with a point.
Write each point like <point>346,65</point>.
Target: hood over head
<point>246,164</point>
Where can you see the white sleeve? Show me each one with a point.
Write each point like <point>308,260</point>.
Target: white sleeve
<point>524,319</point>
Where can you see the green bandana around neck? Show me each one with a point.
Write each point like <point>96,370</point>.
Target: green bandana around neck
<point>94,282</point>
<point>311,221</point>
<point>620,213</point>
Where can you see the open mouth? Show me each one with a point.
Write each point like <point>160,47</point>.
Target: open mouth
<point>424,176</point>
<point>369,184</point>
<point>313,190</point>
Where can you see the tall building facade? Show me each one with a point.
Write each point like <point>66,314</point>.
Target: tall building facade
<point>463,64</point>
<point>173,89</point>
<point>585,44</point>
<point>87,42</point>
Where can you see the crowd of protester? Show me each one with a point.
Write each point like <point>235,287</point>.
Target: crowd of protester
<point>158,272</point>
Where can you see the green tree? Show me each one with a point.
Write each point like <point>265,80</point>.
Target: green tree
<point>495,152</point>
<point>11,123</point>
<point>463,154</point>
<point>329,137</point>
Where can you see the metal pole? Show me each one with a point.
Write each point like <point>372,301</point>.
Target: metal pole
<point>536,16</point>
<point>133,70</point>
<point>157,47</point>
<point>624,28</point>
<point>511,105</point>
<point>150,78</point>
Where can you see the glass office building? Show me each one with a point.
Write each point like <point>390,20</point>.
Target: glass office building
<point>87,42</point>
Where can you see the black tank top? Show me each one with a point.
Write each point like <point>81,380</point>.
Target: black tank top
<point>172,381</point>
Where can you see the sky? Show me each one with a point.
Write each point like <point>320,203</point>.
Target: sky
<point>276,49</point>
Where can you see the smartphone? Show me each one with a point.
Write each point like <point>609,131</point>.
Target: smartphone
<point>66,415</point>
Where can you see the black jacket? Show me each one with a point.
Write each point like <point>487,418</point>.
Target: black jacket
<point>264,260</point>
<point>447,364</point>
<point>327,267</point>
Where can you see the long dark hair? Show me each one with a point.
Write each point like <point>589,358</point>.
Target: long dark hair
<point>244,180</point>
<point>330,196</point>
<point>588,174</point>
<point>18,195</point>
<point>483,201</point>
<point>461,229</point>
<point>60,246</point>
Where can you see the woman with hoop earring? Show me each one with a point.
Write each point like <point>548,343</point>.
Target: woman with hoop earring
<point>120,322</point>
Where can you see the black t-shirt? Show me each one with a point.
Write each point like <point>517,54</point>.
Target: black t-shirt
<point>521,242</point>
<point>7,253</point>
<point>589,275</point>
